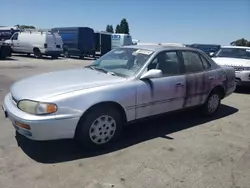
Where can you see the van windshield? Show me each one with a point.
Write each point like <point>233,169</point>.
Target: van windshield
<point>124,62</point>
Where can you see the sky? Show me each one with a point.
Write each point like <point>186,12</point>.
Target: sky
<point>181,21</point>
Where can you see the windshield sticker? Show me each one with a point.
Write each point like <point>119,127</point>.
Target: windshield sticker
<point>146,52</point>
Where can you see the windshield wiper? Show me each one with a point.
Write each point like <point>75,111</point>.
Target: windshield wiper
<point>93,67</point>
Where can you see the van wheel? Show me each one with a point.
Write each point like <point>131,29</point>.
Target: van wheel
<point>54,57</point>
<point>37,53</point>
<point>66,54</point>
<point>99,127</point>
<point>212,104</point>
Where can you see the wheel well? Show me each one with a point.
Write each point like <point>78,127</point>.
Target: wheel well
<point>104,105</point>
<point>35,49</point>
<point>221,90</point>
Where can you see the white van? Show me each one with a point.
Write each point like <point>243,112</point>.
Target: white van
<point>37,42</point>
<point>119,40</point>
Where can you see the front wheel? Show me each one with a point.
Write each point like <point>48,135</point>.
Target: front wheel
<point>99,127</point>
<point>212,104</point>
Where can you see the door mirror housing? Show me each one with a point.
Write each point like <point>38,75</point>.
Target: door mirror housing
<point>153,73</point>
<point>211,54</point>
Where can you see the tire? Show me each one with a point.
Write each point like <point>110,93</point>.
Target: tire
<point>54,57</point>
<point>66,54</point>
<point>212,104</point>
<point>37,53</point>
<point>100,126</point>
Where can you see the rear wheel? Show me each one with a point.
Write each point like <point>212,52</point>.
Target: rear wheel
<point>212,103</point>
<point>99,127</point>
<point>37,53</point>
<point>54,57</point>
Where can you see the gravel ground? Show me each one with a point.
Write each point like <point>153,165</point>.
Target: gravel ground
<point>179,150</point>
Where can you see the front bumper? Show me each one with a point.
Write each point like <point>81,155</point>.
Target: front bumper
<point>242,78</point>
<point>41,127</point>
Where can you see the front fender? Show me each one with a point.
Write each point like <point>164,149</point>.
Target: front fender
<point>76,103</point>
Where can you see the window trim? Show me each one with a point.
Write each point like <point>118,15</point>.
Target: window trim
<point>14,35</point>
<point>197,53</point>
<point>180,66</point>
<point>210,66</point>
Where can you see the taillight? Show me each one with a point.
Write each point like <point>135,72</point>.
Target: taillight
<point>45,45</point>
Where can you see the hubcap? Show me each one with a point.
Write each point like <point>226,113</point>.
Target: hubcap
<point>102,129</point>
<point>213,103</point>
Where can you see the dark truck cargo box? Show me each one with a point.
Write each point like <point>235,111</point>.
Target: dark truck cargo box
<point>102,42</point>
<point>77,41</point>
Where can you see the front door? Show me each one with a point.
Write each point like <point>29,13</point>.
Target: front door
<point>15,42</point>
<point>160,95</point>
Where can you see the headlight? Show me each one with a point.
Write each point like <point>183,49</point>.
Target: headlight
<point>37,108</point>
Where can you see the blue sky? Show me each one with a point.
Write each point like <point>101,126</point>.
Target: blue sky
<point>185,21</point>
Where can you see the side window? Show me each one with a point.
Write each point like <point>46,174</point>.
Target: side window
<point>205,62</point>
<point>192,62</point>
<point>167,62</point>
<point>15,36</point>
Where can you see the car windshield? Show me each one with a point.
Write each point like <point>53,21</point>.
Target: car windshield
<point>242,53</point>
<point>123,62</point>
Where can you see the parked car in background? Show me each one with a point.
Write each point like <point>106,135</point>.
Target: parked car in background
<point>5,34</point>
<point>120,39</point>
<point>36,42</point>
<point>237,57</point>
<point>209,49</point>
<point>92,104</point>
<point>102,42</point>
<point>77,41</point>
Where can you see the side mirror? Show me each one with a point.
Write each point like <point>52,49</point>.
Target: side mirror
<point>153,73</point>
<point>211,54</point>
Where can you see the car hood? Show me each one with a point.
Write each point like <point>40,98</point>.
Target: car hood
<point>55,83</point>
<point>232,61</point>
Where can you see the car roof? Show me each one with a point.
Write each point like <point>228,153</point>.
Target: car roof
<point>159,47</point>
<point>242,47</point>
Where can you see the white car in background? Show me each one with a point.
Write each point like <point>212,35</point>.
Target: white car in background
<point>237,57</point>
<point>38,43</point>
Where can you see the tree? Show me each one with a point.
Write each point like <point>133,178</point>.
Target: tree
<point>124,27</point>
<point>117,29</point>
<point>25,26</point>
<point>240,42</point>
<point>109,29</point>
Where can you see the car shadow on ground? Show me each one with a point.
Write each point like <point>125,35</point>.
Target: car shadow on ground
<point>33,57</point>
<point>8,59</point>
<point>242,90</point>
<point>67,150</point>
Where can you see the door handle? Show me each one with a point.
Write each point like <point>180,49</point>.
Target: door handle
<point>179,84</point>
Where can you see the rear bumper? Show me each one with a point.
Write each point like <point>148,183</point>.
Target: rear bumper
<point>242,77</point>
<point>5,51</point>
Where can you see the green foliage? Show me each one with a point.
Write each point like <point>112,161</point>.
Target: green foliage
<point>240,42</point>
<point>117,29</point>
<point>109,29</point>
<point>25,26</point>
<point>123,27</point>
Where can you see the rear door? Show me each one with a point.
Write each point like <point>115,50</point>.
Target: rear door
<point>197,78</point>
<point>50,41</point>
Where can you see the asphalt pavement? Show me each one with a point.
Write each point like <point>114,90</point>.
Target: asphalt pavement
<point>179,150</point>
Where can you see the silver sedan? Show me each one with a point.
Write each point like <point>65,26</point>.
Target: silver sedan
<point>93,103</point>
